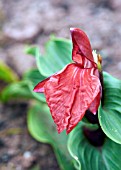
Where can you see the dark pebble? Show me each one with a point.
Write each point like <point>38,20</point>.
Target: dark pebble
<point>5,158</point>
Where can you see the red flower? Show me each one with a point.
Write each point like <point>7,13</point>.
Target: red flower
<point>75,89</point>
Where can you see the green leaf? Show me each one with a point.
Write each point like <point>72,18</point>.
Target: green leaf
<point>110,112</point>
<point>89,157</point>
<point>31,50</point>
<point>24,88</point>
<point>57,55</point>
<point>34,77</point>
<point>7,74</point>
<point>16,91</point>
<point>42,128</point>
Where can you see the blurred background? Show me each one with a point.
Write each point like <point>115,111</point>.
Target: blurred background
<point>25,22</point>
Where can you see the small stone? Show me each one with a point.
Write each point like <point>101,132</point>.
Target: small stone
<point>27,155</point>
<point>5,158</point>
<point>28,159</point>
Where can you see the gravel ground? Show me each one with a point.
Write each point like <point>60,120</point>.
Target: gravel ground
<point>31,22</point>
<point>18,151</point>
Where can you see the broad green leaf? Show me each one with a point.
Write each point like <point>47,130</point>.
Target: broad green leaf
<point>16,91</point>
<point>110,112</point>
<point>7,74</point>
<point>57,55</point>
<point>42,128</point>
<point>89,157</point>
<point>34,77</point>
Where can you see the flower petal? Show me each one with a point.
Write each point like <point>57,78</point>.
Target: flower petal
<point>81,46</point>
<point>69,94</point>
<point>40,86</point>
<point>95,104</point>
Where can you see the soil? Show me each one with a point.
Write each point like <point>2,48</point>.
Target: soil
<point>31,22</point>
<point>18,150</point>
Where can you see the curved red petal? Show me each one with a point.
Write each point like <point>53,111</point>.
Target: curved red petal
<point>40,86</point>
<point>81,46</point>
<point>69,94</point>
<point>95,104</point>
